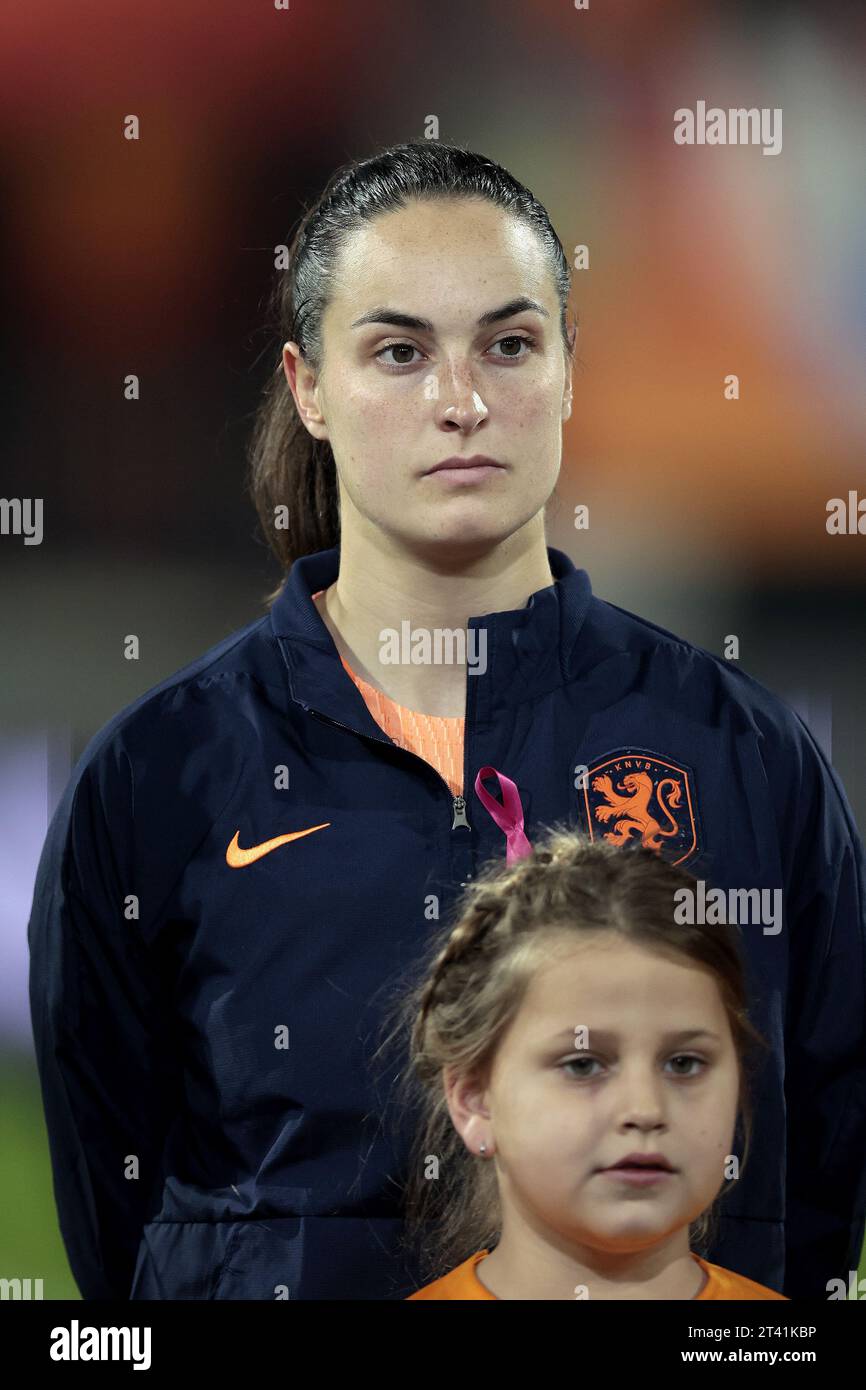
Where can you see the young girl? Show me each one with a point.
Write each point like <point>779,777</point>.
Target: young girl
<point>580,1058</point>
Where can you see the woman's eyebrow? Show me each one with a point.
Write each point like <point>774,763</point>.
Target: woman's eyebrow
<point>400,320</point>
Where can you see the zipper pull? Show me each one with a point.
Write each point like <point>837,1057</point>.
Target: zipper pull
<point>459,805</point>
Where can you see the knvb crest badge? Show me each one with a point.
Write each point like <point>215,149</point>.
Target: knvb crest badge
<point>634,794</point>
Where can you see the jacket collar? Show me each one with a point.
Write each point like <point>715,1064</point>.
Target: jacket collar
<point>529,650</point>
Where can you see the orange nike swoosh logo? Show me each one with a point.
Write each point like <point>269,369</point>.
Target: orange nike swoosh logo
<point>238,858</point>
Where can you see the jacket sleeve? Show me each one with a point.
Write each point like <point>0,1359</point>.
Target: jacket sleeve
<point>825,1031</point>
<point>99,1029</point>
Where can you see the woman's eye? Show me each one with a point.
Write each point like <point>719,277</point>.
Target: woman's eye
<point>397,347</point>
<point>516,338</point>
<point>512,338</point>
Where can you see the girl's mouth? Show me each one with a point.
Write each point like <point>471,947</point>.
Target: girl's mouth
<point>638,1175</point>
<point>640,1169</point>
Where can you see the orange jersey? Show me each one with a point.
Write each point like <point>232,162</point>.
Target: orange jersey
<point>437,738</point>
<point>464,1283</point>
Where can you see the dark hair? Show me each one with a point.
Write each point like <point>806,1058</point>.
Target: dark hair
<point>287,466</point>
<point>469,986</point>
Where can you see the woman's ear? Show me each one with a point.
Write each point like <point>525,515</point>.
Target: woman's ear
<point>569,367</point>
<point>566,398</point>
<point>305,390</point>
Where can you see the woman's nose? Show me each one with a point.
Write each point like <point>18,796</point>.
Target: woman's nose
<point>466,414</point>
<point>459,398</point>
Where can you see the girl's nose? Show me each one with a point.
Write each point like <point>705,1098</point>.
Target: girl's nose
<point>640,1098</point>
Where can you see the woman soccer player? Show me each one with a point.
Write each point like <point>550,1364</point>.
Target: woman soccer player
<point>251,853</point>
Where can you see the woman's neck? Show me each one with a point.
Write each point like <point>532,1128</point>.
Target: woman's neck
<point>379,591</point>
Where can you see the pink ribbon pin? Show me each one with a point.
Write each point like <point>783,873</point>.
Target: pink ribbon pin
<point>508,813</point>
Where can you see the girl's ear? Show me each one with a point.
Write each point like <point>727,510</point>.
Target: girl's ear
<point>466,1098</point>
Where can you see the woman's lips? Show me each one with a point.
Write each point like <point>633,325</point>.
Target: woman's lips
<point>473,474</point>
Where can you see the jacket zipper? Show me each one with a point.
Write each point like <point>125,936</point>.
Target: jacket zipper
<point>458,803</point>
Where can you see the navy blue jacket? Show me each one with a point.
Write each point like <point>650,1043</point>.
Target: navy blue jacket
<point>193,1156</point>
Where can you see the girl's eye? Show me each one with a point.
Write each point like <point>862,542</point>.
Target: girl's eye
<point>584,1075</point>
<point>576,1062</point>
<point>410,347</point>
<point>686,1057</point>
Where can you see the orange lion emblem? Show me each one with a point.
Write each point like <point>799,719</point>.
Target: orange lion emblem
<point>632,812</point>
<point>642,794</point>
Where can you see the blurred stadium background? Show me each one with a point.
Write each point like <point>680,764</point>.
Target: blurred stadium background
<point>708,516</point>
